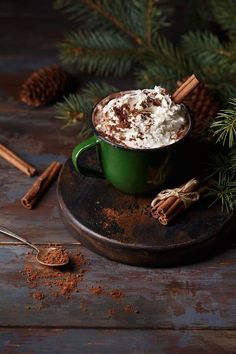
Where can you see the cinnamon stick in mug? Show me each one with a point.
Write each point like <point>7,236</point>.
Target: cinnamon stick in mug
<point>40,185</point>
<point>16,161</point>
<point>179,95</point>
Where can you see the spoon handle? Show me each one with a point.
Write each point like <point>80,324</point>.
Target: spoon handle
<point>12,234</point>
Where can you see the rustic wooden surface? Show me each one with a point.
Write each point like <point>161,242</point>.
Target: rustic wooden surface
<point>176,310</point>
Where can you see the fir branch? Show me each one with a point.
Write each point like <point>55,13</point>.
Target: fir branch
<point>99,52</point>
<point>219,164</point>
<point>223,165</point>
<point>208,53</point>
<point>225,125</point>
<point>100,8</point>
<point>204,47</point>
<point>168,66</point>
<point>225,14</point>
<point>223,189</point>
<point>112,51</point>
<point>172,56</point>
<point>232,156</point>
<point>73,109</point>
<point>102,14</point>
<point>213,62</point>
<point>156,74</point>
<point>147,18</point>
<point>94,91</point>
<point>78,107</point>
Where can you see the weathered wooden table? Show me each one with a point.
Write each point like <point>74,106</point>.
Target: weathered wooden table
<point>176,310</point>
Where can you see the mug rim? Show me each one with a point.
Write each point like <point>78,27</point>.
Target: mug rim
<point>119,146</point>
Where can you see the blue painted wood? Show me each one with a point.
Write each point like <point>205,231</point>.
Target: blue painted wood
<point>93,341</point>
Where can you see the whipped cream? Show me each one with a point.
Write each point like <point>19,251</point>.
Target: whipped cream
<point>141,119</point>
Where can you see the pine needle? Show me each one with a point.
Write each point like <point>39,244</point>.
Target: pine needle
<point>76,108</point>
<point>225,125</point>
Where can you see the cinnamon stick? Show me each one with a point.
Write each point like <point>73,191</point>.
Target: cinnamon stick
<point>163,206</point>
<point>178,203</point>
<point>16,161</point>
<point>179,95</point>
<point>40,185</point>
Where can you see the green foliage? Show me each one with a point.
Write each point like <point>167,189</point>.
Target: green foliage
<point>147,18</point>
<point>225,125</point>
<point>164,69</point>
<point>223,169</point>
<point>225,14</point>
<point>118,37</point>
<point>136,19</point>
<point>94,91</point>
<point>93,15</point>
<point>223,189</point>
<point>114,36</point>
<point>203,47</point>
<point>214,62</point>
<point>78,107</point>
<point>101,52</point>
<point>232,157</point>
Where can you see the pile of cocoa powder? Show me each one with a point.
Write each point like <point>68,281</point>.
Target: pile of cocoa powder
<point>54,255</point>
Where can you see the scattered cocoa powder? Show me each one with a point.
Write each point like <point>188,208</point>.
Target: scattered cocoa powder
<point>122,217</point>
<point>84,305</point>
<point>38,295</point>
<point>129,308</point>
<point>54,255</point>
<point>116,294</point>
<point>62,282</point>
<point>111,312</point>
<point>200,308</point>
<point>57,281</point>
<point>97,290</point>
<point>40,306</point>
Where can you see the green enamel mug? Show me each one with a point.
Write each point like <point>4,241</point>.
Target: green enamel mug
<point>132,171</point>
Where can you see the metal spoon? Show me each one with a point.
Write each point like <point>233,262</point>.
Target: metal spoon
<point>40,252</point>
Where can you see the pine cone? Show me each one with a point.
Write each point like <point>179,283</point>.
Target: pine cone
<point>202,107</point>
<point>45,86</point>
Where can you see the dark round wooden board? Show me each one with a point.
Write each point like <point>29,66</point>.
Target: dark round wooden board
<point>119,226</point>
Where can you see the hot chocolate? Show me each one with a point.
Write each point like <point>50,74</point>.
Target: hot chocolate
<point>141,119</point>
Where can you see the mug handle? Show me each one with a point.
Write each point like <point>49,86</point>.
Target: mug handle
<point>79,150</point>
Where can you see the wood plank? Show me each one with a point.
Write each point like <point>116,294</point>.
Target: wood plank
<point>194,296</point>
<point>95,341</point>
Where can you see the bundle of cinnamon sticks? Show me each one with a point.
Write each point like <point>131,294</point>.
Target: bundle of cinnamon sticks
<point>172,202</point>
